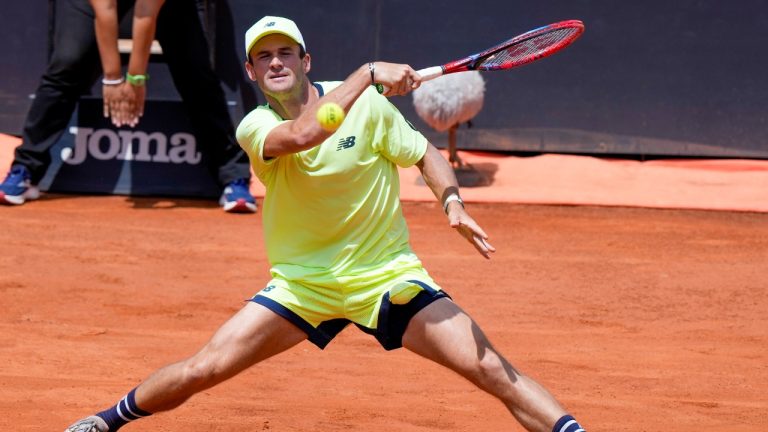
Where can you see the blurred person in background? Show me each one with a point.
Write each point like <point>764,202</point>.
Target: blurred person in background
<point>85,38</point>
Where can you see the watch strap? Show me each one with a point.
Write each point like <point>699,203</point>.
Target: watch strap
<point>451,198</point>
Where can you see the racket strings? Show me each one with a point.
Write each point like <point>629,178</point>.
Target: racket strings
<point>527,50</point>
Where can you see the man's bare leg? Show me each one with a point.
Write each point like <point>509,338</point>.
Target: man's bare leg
<point>253,334</point>
<point>444,333</point>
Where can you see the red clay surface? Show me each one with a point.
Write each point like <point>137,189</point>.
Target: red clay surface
<point>697,184</point>
<point>637,319</point>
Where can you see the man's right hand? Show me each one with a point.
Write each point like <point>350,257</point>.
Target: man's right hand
<point>398,79</point>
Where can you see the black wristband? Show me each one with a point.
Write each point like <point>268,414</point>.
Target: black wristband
<point>379,87</point>
<point>372,68</point>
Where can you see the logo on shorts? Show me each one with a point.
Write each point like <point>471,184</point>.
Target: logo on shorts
<point>346,143</point>
<point>269,288</point>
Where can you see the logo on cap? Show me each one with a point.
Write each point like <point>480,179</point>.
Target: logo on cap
<point>269,25</point>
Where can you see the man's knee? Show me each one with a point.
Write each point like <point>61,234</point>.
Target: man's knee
<point>200,372</point>
<point>492,370</point>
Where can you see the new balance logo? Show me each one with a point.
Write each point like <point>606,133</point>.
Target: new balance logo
<point>270,24</point>
<point>346,143</point>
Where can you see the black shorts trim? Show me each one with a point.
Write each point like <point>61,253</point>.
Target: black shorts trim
<point>392,321</point>
<point>394,318</point>
<point>320,336</point>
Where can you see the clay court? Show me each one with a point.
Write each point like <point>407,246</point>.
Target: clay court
<point>637,319</point>
<point>632,283</point>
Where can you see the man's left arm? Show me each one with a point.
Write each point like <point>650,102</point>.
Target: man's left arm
<point>439,176</point>
<point>145,15</point>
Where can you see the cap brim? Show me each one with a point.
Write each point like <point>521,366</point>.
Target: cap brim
<point>267,33</point>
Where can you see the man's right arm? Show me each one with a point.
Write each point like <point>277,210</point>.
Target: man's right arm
<point>106,29</point>
<point>304,132</point>
<point>106,25</point>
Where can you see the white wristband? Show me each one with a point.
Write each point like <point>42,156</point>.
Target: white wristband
<point>452,197</point>
<point>117,81</point>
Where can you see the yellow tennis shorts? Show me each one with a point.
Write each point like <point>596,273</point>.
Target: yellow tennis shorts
<point>382,308</point>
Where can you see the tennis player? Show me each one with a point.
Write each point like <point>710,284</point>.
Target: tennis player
<point>337,241</point>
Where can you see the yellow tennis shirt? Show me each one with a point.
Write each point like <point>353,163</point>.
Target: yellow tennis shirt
<point>332,213</point>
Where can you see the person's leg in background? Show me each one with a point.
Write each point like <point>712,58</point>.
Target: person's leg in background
<point>72,69</point>
<point>185,49</point>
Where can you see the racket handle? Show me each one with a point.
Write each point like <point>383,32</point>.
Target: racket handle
<point>430,72</point>
<point>426,74</point>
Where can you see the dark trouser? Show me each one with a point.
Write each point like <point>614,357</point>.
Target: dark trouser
<point>75,65</point>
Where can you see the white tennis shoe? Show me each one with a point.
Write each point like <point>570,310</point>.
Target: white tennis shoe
<point>89,424</point>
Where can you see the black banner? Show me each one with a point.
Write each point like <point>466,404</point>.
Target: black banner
<point>158,157</point>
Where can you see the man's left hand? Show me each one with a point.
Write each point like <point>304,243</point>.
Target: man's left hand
<point>470,230</point>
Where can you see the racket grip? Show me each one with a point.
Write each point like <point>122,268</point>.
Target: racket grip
<point>426,74</point>
<point>430,72</point>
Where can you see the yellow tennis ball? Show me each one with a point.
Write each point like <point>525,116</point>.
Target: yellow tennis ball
<point>330,115</point>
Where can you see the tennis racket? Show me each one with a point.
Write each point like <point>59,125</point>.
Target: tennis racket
<point>520,50</point>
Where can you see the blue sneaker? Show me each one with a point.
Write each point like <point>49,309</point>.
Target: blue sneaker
<point>236,197</point>
<point>17,187</point>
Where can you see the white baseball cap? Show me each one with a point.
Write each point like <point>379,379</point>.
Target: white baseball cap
<point>270,25</point>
